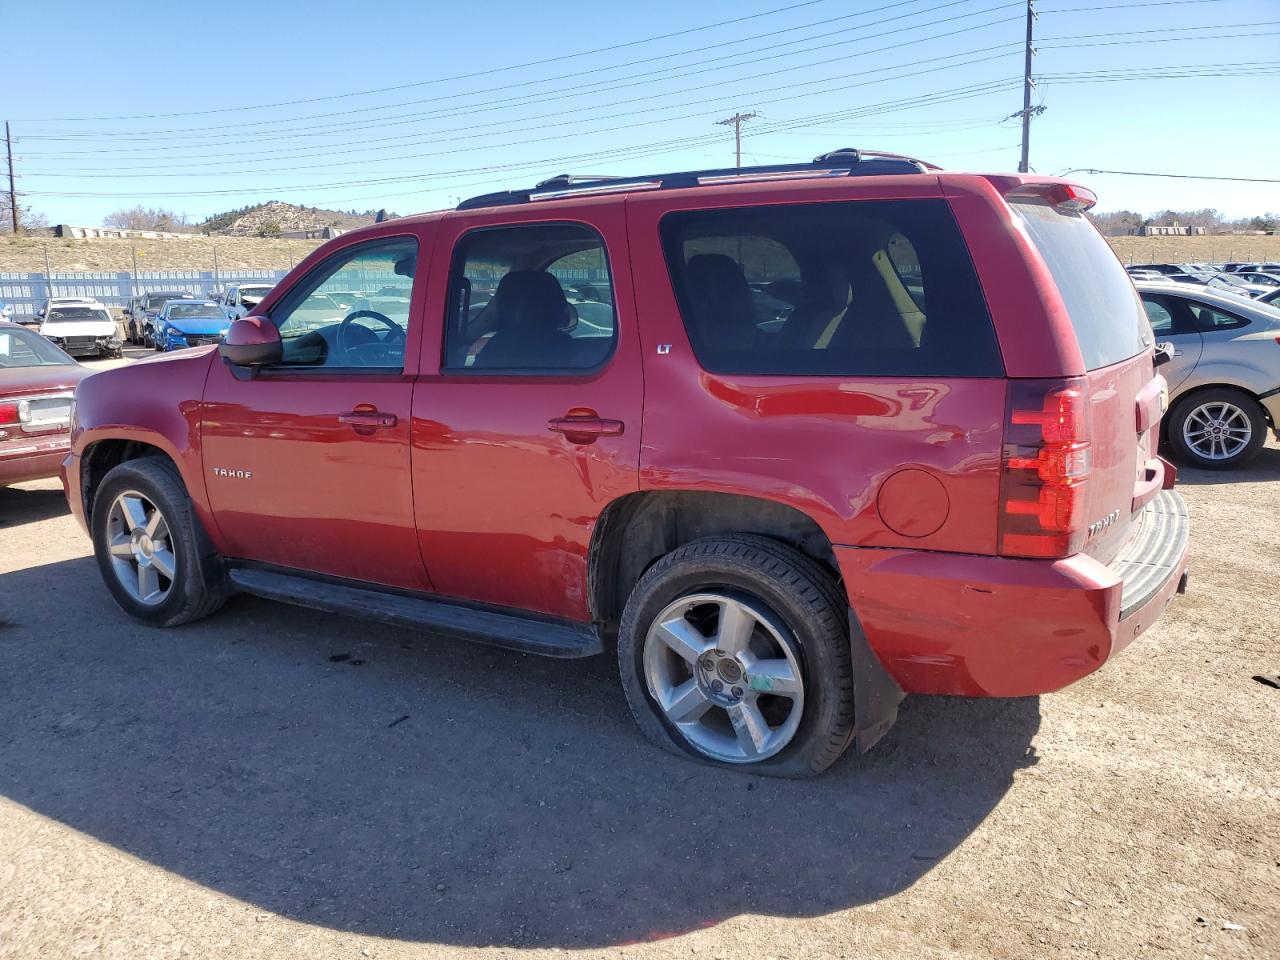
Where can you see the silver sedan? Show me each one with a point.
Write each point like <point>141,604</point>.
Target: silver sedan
<point>1224,379</point>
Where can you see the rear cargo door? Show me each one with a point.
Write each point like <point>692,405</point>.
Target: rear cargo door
<point>1126,397</point>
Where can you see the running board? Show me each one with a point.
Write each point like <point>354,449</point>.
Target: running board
<point>547,638</point>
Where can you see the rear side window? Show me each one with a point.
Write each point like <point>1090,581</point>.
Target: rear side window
<point>535,298</point>
<point>1110,324</point>
<point>861,288</point>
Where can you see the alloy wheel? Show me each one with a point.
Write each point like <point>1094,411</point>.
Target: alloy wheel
<point>139,543</point>
<point>1217,430</point>
<point>721,671</point>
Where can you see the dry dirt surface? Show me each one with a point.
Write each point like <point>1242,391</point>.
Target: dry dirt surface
<point>27,254</point>
<point>277,783</point>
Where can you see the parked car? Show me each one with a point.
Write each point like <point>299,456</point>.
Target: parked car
<point>1260,278</point>
<point>1224,380</point>
<point>189,323</point>
<point>1234,283</point>
<point>6,311</point>
<point>1271,297</point>
<point>1264,267</point>
<point>53,302</point>
<point>82,330</point>
<point>37,381</point>
<point>140,315</point>
<point>240,298</point>
<point>937,474</point>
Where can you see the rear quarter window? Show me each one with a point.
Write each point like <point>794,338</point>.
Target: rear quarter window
<point>854,288</point>
<point>1109,322</point>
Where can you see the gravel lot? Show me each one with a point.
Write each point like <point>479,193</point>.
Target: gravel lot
<point>276,782</point>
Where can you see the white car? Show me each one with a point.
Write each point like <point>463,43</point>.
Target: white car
<point>81,328</point>
<point>240,298</point>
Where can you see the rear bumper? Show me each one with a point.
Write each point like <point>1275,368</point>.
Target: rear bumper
<point>32,458</point>
<point>1003,627</point>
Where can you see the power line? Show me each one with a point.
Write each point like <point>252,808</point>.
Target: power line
<point>240,134</point>
<point>1175,176</point>
<point>462,76</point>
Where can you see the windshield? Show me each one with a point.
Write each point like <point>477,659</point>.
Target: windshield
<point>195,311</point>
<point>1104,309</point>
<point>22,348</point>
<point>77,315</point>
<point>154,301</point>
<point>253,293</point>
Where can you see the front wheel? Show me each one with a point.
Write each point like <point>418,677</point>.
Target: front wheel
<point>1217,429</point>
<point>735,651</point>
<point>149,547</point>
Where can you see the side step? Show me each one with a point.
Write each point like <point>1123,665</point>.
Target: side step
<point>548,638</point>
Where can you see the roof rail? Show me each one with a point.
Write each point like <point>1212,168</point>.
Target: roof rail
<point>846,162</point>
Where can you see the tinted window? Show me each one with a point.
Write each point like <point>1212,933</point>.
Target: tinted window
<point>1098,294</point>
<point>534,298</point>
<point>1168,316</point>
<point>1212,318</point>
<point>318,330</point>
<point>865,288</point>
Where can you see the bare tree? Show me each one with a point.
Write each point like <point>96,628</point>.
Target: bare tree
<point>27,218</point>
<point>145,218</point>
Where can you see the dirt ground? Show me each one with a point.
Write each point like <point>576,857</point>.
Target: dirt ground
<point>26,254</point>
<point>277,783</point>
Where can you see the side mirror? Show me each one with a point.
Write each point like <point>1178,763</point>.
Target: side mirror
<point>1164,353</point>
<point>251,343</point>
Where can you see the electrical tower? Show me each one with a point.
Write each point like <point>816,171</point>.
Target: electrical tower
<point>738,119</point>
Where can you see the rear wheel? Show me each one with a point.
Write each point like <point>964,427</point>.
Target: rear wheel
<point>150,550</point>
<point>1218,428</point>
<point>735,651</point>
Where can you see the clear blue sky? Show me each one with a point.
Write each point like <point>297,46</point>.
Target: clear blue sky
<point>480,108</point>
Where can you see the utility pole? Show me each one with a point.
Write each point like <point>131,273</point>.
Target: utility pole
<point>738,119</point>
<point>13,193</point>
<point>1027,83</point>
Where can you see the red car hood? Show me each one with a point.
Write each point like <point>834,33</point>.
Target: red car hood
<point>21,381</point>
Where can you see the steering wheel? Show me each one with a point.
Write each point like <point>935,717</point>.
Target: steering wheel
<point>377,348</point>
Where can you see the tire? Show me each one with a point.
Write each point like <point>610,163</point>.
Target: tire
<point>797,621</point>
<point>1235,412</point>
<point>195,583</point>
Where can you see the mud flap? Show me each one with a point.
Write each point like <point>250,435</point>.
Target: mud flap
<point>876,695</point>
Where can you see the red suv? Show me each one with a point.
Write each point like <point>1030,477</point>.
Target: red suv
<point>792,441</point>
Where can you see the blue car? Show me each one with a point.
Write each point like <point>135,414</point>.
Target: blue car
<point>189,323</point>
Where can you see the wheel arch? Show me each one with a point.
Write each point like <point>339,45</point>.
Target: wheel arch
<point>636,530</point>
<point>103,454</point>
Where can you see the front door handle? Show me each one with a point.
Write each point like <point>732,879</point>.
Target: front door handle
<point>585,429</point>
<point>367,419</point>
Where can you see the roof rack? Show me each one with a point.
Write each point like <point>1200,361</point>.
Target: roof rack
<point>846,162</point>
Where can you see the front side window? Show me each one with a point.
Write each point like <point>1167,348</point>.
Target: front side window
<point>322,330</point>
<point>535,298</point>
<point>862,288</point>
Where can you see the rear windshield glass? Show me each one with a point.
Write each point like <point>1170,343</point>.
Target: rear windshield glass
<point>1108,319</point>
<point>20,348</point>
<point>861,288</point>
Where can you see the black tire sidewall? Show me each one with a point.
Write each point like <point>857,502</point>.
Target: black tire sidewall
<point>1251,409</point>
<point>826,677</point>
<point>160,484</point>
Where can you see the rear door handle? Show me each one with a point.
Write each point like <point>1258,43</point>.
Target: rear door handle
<point>585,429</point>
<point>367,418</point>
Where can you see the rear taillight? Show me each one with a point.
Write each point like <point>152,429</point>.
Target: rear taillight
<point>9,414</point>
<point>1045,468</point>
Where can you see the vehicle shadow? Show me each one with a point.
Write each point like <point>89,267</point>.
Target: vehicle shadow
<point>374,781</point>
<point>1266,466</point>
<point>30,504</point>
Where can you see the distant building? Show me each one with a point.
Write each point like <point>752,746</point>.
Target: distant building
<point>315,233</point>
<point>115,233</point>
<point>1170,229</point>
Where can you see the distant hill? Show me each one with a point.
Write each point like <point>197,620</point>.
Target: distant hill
<point>274,217</point>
